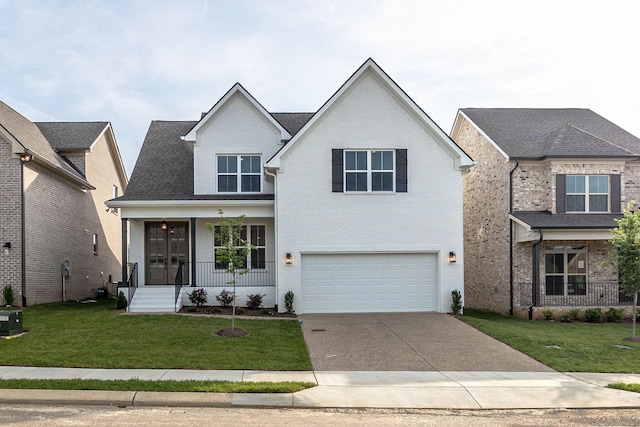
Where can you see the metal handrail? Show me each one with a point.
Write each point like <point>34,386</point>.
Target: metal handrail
<point>596,294</point>
<point>132,283</point>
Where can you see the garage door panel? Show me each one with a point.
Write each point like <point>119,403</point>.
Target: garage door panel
<point>369,283</point>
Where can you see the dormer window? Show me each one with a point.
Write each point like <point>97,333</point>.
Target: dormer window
<point>239,174</point>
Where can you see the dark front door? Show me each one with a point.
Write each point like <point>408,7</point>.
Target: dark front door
<point>166,249</point>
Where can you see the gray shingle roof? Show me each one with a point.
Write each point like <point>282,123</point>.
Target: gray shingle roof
<point>71,136</point>
<point>545,219</point>
<point>292,122</point>
<point>538,133</point>
<point>32,139</point>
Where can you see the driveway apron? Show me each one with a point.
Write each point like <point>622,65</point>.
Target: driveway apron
<point>406,342</point>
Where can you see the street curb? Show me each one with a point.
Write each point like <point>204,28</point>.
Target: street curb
<point>67,397</point>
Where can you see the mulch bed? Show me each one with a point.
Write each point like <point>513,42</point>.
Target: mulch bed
<point>240,311</point>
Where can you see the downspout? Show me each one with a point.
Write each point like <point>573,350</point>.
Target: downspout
<point>275,229</point>
<point>535,273</point>
<point>23,236</point>
<point>511,239</point>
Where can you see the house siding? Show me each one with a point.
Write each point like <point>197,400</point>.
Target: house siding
<point>486,223</point>
<point>10,221</point>
<point>311,218</point>
<point>61,220</point>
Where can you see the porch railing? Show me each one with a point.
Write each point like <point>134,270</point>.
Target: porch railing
<point>132,282</point>
<point>593,294</point>
<point>207,275</point>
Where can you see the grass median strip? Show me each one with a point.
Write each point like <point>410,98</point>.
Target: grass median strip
<point>161,386</point>
<point>565,347</point>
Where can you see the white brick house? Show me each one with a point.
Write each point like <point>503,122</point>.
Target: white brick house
<point>54,180</point>
<point>354,208</point>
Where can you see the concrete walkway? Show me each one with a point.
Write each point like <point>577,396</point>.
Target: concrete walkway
<point>346,389</point>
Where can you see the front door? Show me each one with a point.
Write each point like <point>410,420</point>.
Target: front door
<point>166,249</point>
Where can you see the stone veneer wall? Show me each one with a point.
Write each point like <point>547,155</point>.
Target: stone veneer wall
<point>10,222</point>
<point>486,223</point>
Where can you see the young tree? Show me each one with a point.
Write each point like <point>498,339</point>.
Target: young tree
<point>626,250</point>
<point>231,250</point>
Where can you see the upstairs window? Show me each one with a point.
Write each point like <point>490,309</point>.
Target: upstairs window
<point>239,174</point>
<point>587,193</point>
<point>371,170</point>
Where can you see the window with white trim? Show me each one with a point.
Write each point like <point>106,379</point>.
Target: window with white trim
<point>565,268</point>
<point>253,235</point>
<point>239,174</point>
<point>369,170</point>
<point>587,193</point>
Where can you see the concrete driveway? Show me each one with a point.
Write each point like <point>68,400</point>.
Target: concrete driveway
<point>406,342</point>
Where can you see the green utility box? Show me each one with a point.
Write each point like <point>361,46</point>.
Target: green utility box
<point>10,322</point>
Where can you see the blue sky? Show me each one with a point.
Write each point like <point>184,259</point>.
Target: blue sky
<point>130,62</point>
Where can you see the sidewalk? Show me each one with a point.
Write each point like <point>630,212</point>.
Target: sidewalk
<point>341,389</point>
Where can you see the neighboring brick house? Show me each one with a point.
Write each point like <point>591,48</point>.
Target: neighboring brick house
<point>540,204</point>
<point>54,180</point>
<point>354,208</point>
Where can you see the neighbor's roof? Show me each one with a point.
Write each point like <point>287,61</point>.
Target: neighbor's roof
<point>70,136</point>
<point>538,133</point>
<point>545,219</point>
<point>292,122</point>
<point>29,136</point>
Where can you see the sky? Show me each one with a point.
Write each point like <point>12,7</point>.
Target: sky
<point>133,61</point>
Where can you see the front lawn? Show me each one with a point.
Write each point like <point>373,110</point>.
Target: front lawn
<point>95,335</point>
<point>565,347</point>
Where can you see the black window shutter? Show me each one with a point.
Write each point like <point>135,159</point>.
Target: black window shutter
<point>615,193</point>
<point>401,170</point>
<point>337,165</point>
<point>561,192</point>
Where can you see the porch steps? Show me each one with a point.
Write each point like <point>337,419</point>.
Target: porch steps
<point>153,299</point>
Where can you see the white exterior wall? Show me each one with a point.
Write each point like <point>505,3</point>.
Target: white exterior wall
<point>312,219</point>
<point>239,128</point>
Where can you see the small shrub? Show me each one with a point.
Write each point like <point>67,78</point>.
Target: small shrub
<point>566,318</point>
<point>121,301</point>
<point>225,298</point>
<point>593,315</point>
<point>614,315</point>
<point>7,294</point>
<point>574,314</point>
<point>239,310</point>
<point>254,300</point>
<point>198,297</point>
<point>288,302</point>
<point>548,314</point>
<point>191,309</point>
<point>456,301</point>
<point>267,312</point>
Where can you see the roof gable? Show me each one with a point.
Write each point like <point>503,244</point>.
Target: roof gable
<point>236,90</point>
<point>370,67</point>
<point>538,133</point>
<point>72,136</point>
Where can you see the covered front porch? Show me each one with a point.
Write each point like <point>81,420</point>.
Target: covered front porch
<point>169,255</point>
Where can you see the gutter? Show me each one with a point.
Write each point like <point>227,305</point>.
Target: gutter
<point>511,239</point>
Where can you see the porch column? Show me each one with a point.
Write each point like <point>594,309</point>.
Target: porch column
<point>124,222</point>
<point>193,251</point>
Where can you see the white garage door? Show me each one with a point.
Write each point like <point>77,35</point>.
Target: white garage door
<point>352,283</point>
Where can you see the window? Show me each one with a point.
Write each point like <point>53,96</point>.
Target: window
<point>94,239</point>
<point>565,270</point>
<point>367,171</point>
<point>256,237</point>
<point>587,193</point>
<point>239,174</point>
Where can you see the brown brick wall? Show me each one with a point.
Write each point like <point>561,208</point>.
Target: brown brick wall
<point>486,223</point>
<point>10,221</point>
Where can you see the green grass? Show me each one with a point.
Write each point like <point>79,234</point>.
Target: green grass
<point>161,386</point>
<point>583,347</point>
<point>626,387</point>
<point>97,336</point>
